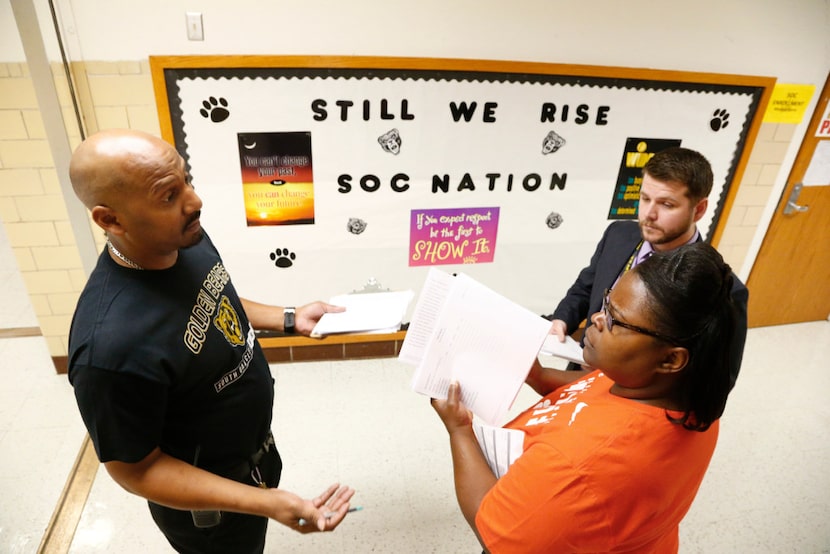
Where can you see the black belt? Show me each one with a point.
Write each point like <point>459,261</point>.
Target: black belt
<point>244,471</point>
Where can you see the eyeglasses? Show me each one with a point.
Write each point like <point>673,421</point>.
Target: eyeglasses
<point>610,321</point>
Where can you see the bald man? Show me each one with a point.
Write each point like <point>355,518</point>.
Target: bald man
<point>170,380</point>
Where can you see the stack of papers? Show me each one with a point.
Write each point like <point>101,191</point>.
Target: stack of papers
<point>568,350</point>
<point>463,331</point>
<point>499,445</point>
<point>375,312</point>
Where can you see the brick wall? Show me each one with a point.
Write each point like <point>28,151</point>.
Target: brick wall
<point>755,189</point>
<point>32,206</point>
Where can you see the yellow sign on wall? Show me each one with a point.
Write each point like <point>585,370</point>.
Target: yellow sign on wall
<point>788,103</point>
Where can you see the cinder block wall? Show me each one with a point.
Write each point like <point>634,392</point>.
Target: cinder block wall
<point>32,206</point>
<point>754,191</point>
<point>120,94</point>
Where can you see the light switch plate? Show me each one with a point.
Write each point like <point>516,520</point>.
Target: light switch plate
<point>195,31</point>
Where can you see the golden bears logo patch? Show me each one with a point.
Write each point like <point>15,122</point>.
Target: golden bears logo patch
<point>227,321</point>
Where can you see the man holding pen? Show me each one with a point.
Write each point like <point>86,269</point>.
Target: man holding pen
<point>169,377</point>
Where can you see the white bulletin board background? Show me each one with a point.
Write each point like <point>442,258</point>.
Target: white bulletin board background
<point>534,260</point>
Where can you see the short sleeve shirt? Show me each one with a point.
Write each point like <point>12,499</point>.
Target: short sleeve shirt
<point>168,358</point>
<point>599,473</point>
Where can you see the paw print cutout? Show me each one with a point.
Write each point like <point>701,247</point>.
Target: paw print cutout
<point>215,110</point>
<point>283,258</point>
<point>720,120</point>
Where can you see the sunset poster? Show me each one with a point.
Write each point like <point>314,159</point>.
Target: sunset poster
<point>277,178</point>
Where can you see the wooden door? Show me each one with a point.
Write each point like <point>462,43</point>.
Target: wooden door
<point>790,280</point>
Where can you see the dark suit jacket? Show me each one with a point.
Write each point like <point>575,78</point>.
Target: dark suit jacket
<point>584,298</point>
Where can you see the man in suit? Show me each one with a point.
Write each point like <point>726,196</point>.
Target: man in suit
<point>673,197</point>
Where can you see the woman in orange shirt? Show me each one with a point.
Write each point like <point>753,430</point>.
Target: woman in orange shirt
<point>612,460</point>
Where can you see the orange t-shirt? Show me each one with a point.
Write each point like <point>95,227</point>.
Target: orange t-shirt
<point>599,473</point>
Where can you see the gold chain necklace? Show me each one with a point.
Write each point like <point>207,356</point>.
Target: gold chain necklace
<point>122,257</point>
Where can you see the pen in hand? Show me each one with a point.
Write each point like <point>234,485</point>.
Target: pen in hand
<point>329,515</point>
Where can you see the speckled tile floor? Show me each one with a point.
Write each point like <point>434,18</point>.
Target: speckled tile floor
<point>767,489</point>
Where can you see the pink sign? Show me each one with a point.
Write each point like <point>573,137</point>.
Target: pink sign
<point>453,236</point>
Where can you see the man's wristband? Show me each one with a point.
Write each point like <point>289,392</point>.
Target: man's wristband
<point>288,320</point>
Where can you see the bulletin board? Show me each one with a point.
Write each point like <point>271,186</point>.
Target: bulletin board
<point>322,174</point>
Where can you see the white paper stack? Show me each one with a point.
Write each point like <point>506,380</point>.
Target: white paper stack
<point>463,331</point>
<point>373,312</point>
<point>568,350</point>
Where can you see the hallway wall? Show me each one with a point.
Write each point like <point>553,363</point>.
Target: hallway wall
<point>111,75</point>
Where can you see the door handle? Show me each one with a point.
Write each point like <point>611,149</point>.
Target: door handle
<point>792,206</point>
